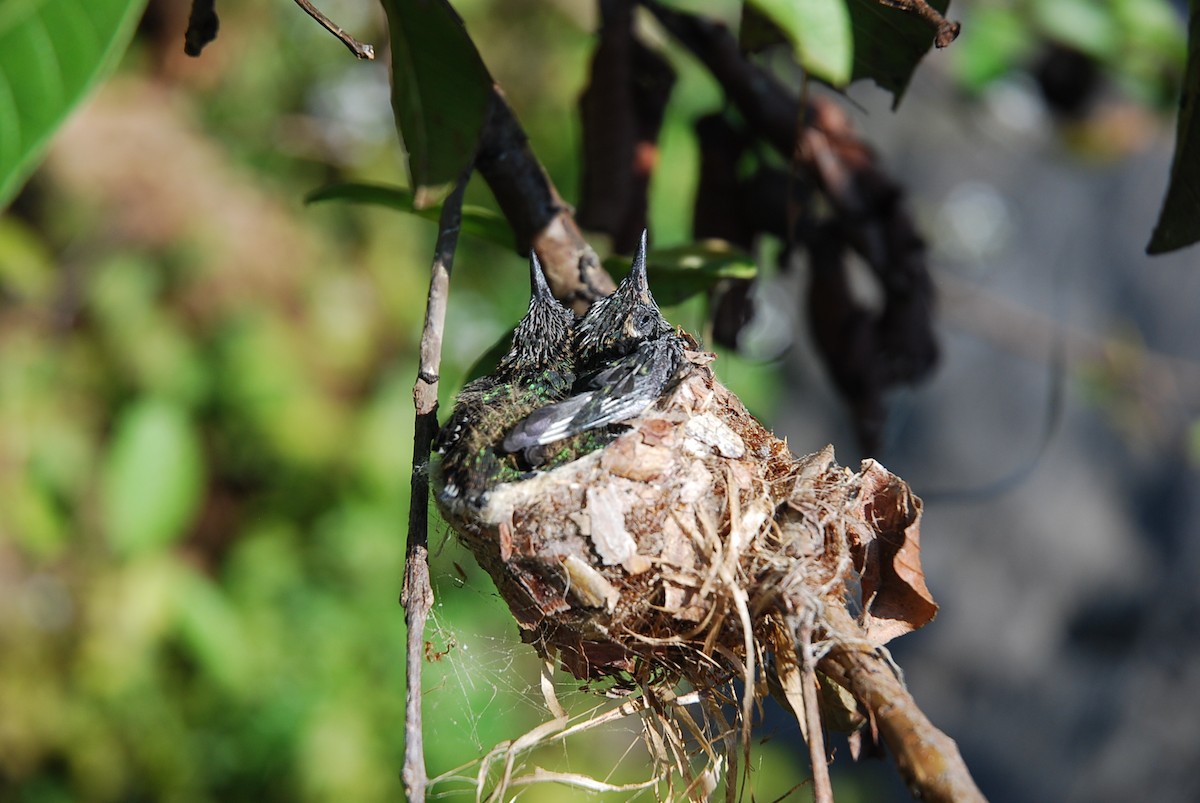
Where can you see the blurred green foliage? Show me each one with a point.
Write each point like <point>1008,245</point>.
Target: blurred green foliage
<point>206,426</point>
<point>205,436</point>
<point>1141,44</point>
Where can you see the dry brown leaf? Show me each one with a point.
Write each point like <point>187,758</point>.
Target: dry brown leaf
<point>888,557</point>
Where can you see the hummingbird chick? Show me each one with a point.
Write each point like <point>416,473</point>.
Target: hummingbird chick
<point>536,371</point>
<point>626,356</point>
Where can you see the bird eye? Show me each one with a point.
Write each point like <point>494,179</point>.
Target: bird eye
<point>643,321</point>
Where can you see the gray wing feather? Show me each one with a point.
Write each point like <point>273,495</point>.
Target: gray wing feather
<point>621,391</point>
<point>546,424</point>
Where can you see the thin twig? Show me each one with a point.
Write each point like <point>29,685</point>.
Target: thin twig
<point>360,50</point>
<point>417,596</point>
<point>822,788</point>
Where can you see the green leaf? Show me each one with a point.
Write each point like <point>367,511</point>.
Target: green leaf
<point>476,220</point>
<point>153,477</point>
<point>27,267</point>
<point>889,43</point>
<point>440,93</point>
<point>1179,221</point>
<point>52,52</point>
<point>38,524</point>
<point>679,272</point>
<point>819,30</point>
<point>211,629</point>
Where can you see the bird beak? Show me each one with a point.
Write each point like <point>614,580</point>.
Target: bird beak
<point>639,283</point>
<point>538,288</point>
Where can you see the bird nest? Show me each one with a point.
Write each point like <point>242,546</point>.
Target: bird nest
<point>697,547</point>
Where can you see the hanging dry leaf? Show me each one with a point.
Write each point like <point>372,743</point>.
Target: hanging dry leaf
<point>888,557</point>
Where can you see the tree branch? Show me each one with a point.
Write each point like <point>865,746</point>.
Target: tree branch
<point>928,759</point>
<point>417,596</point>
<point>537,213</point>
<point>839,162</point>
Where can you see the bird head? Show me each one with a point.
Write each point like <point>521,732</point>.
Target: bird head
<point>617,324</point>
<point>542,339</point>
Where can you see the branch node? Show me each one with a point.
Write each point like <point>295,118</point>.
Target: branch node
<point>361,50</point>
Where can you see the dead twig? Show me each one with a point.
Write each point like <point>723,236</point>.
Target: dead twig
<point>822,787</point>
<point>947,31</point>
<point>361,50</point>
<point>928,759</point>
<point>417,596</point>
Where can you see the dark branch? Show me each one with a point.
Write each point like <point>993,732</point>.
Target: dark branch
<point>538,215</point>
<point>202,26</point>
<point>868,204</point>
<point>758,95</point>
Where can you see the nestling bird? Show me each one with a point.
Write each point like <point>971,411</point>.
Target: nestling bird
<point>626,356</point>
<point>536,371</point>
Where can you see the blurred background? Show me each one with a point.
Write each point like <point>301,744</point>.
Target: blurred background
<point>206,417</point>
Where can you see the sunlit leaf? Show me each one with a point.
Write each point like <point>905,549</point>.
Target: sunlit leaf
<point>27,268</point>
<point>440,93</point>
<point>476,220</point>
<point>52,52</point>
<point>1179,220</point>
<point>153,477</point>
<point>210,628</point>
<point>889,43</point>
<point>37,525</point>
<point>819,30</point>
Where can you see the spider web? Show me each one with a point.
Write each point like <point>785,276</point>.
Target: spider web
<point>483,690</point>
<point>491,732</point>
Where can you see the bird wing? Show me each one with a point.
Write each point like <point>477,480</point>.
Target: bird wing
<point>619,392</point>
<point>546,424</point>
